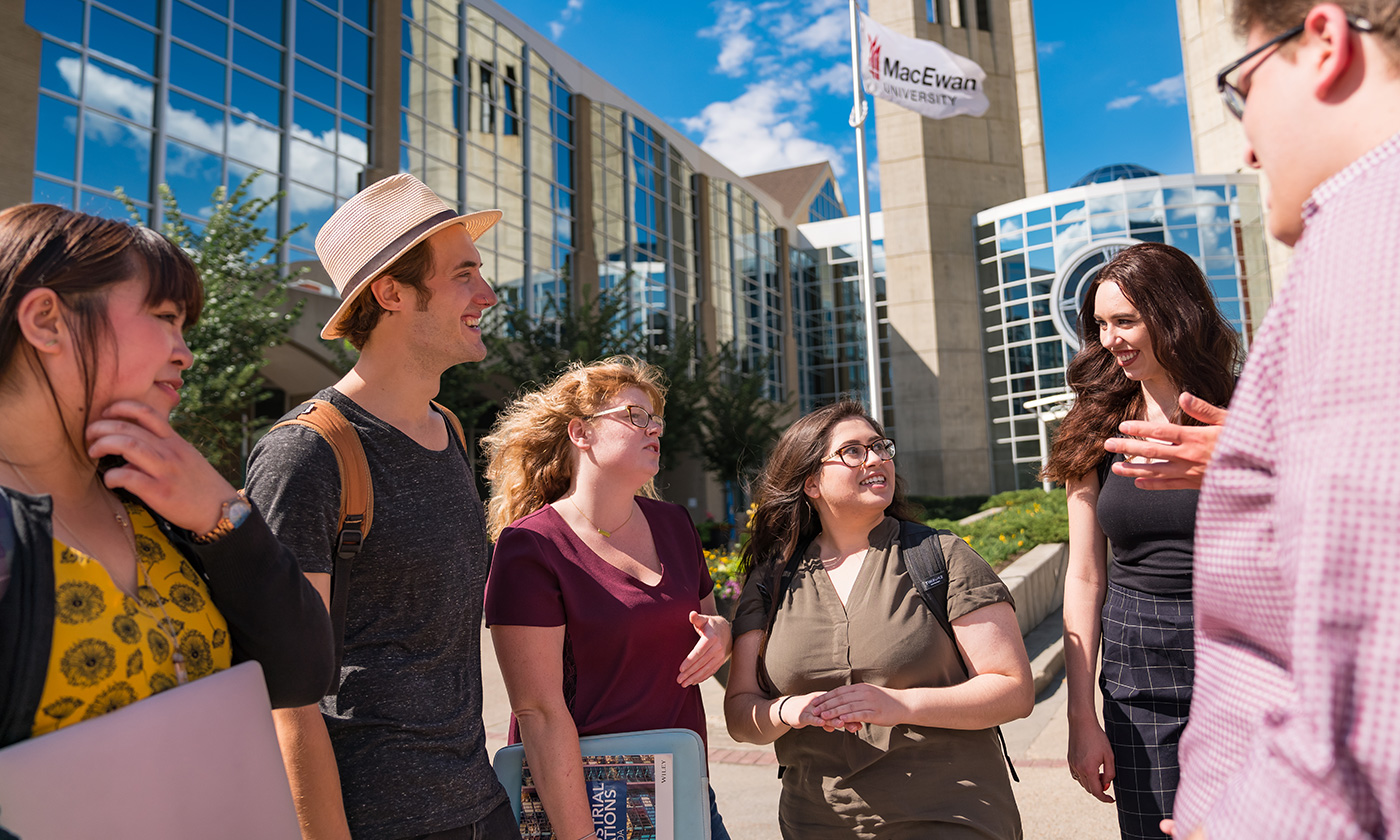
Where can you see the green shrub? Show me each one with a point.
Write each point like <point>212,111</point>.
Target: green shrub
<point>1031,518</point>
<point>948,507</point>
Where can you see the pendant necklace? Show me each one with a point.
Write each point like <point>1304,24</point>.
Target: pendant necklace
<point>607,534</point>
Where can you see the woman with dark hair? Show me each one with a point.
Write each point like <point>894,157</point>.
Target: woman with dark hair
<point>884,723</point>
<point>601,608</point>
<point>1150,331</point>
<point>132,565</point>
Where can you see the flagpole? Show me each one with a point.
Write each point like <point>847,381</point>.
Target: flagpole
<point>859,110</point>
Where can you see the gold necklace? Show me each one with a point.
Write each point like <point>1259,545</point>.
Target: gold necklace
<point>607,534</point>
<point>177,659</point>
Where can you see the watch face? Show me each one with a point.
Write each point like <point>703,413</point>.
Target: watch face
<point>237,512</point>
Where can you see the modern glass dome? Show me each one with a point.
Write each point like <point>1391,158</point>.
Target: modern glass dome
<point>1115,172</point>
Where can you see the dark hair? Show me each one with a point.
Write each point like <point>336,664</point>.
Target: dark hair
<point>412,269</point>
<point>80,257</point>
<point>783,519</point>
<point>1194,344</point>
<point>1276,16</point>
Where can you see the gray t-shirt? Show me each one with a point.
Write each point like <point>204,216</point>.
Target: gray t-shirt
<point>406,724</point>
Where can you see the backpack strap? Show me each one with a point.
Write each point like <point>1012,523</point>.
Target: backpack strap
<point>928,570</point>
<point>356,502</point>
<point>453,423</point>
<point>773,590</point>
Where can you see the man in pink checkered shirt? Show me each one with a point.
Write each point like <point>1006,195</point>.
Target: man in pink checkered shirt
<point>1295,721</point>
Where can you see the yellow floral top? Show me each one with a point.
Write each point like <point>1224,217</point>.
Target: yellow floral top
<point>109,649</point>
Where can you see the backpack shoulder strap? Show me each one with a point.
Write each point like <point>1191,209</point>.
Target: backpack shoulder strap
<point>773,590</point>
<point>356,501</point>
<point>928,569</point>
<point>454,423</point>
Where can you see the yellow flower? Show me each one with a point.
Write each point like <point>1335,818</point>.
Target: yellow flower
<point>968,539</point>
<point>1002,538</point>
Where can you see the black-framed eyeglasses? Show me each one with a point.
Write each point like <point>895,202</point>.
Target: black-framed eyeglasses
<point>1235,93</point>
<point>636,415</point>
<point>856,454</point>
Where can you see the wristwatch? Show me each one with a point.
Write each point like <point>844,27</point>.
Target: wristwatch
<point>233,514</point>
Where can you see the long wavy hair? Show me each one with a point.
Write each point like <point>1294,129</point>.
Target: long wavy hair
<point>529,458</point>
<point>784,519</point>
<point>1194,344</point>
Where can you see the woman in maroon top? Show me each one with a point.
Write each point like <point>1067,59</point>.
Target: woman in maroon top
<point>599,602</point>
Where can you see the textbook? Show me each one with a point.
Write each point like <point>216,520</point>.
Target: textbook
<point>631,797</point>
<point>649,785</point>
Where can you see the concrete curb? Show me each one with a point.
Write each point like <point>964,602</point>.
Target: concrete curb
<point>1037,582</point>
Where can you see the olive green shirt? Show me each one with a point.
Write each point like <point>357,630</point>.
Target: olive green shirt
<point>884,782</point>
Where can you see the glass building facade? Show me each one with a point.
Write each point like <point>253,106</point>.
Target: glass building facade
<point>1037,256</point>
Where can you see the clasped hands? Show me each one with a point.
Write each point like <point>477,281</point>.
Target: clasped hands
<point>847,707</point>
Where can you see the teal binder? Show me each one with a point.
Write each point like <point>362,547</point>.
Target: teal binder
<point>688,801</point>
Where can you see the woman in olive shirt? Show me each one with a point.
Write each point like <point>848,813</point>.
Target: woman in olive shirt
<point>880,732</point>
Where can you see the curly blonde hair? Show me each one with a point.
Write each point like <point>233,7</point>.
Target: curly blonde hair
<point>529,459</point>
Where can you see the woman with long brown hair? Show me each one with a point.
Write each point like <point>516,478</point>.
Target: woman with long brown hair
<point>601,608</point>
<point>1149,331</point>
<point>882,716</point>
<point>134,566</point>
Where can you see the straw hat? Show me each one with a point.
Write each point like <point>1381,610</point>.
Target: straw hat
<point>376,227</point>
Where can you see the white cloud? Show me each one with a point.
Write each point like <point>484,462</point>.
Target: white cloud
<point>1123,102</point>
<point>1171,90</point>
<point>1048,48</point>
<point>567,15</point>
<point>762,130</point>
<point>835,80</point>
<point>736,47</point>
<point>828,35</point>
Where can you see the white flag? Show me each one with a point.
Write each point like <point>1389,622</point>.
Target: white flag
<point>922,76</point>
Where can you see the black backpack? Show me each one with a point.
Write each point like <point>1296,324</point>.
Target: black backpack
<point>928,570</point>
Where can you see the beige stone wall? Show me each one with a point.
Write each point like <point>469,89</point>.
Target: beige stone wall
<point>1208,43</point>
<point>935,175</point>
<point>19,90</point>
<point>1028,95</point>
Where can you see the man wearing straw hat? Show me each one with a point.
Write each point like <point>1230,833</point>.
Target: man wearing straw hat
<point>397,749</point>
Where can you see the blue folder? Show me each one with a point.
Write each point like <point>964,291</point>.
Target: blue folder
<point>690,785</point>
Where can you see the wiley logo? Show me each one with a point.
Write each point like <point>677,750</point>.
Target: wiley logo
<point>874,57</point>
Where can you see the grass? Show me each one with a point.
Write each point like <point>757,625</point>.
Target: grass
<point>1031,518</point>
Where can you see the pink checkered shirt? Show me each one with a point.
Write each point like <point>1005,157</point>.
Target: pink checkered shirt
<point>1295,720</point>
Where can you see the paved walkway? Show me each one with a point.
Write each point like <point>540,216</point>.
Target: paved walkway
<point>745,778</point>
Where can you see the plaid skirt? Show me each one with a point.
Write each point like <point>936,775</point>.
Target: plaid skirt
<point>1148,662</point>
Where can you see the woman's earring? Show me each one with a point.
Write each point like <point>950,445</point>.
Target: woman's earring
<point>51,342</point>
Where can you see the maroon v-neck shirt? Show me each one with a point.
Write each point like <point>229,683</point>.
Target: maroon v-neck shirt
<point>627,638</point>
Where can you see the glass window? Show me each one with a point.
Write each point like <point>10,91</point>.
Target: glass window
<point>1038,237</point>
<point>116,154</point>
<point>196,122</point>
<point>142,10</point>
<point>261,16</point>
<point>348,176</point>
<point>256,144</point>
<point>354,103</point>
<point>118,92</point>
<point>314,84</point>
<point>356,10</point>
<point>257,56</point>
<point>47,192</point>
<point>257,99</point>
<point>316,34</point>
<point>60,70</point>
<point>101,205</point>
<point>354,55</point>
<point>1038,217</point>
<point>192,174</point>
<point>218,7</point>
<point>196,73</point>
<point>59,18</point>
<point>313,166</point>
<point>58,126</point>
<point>195,27</point>
<point>1187,239</point>
<point>310,208</point>
<point>131,46</point>
<point>354,141</point>
<point>312,123</point>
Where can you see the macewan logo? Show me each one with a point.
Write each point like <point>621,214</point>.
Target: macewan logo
<point>926,76</point>
<point>874,57</point>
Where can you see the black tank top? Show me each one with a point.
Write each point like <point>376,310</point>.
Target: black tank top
<point>1150,531</point>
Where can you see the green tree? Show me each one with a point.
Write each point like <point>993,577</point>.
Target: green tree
<point>738,424</point>
<point>245,313</point>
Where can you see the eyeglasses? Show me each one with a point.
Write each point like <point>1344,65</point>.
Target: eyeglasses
<point>856,454</point>
<point>636,415</point>
<point>1235,93</point>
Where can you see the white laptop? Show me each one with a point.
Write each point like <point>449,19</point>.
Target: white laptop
<point>198,761</point>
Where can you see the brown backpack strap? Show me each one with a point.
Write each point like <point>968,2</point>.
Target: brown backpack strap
<point>356,502</point>
<point>454,423</point>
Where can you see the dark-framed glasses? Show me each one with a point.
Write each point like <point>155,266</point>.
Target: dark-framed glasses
<point>856,454</point>
<point>1234,93</point>
<point>636,415</point>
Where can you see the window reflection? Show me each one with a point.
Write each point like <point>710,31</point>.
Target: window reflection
<point>57,154</point>
<point>196,73</point>
<point>47,192</point>
<point>197,28</point>
<point>261,16</point>
<point>192,175</point>
<point>257,56</point>
<point>257,99</point>
<point>191,120</point>
<point>316,34</point>
<point>116,154</point>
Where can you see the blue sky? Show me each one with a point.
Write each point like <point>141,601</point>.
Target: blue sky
<point>765,84</point>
